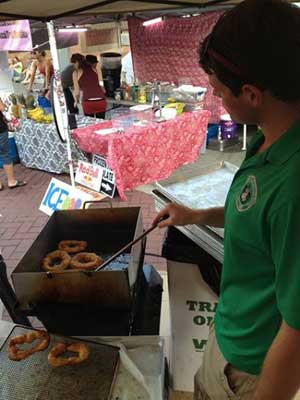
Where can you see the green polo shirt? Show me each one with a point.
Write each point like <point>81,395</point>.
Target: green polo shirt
<point>261,272</point>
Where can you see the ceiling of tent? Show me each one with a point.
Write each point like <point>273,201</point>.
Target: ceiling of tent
<point>53,9</point>
<point>58,9</point>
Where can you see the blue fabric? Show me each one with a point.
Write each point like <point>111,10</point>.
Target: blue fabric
<point>5,157</point>
<point>44,102</point>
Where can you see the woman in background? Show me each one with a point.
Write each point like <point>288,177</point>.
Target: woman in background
<point>67,81</point>
<point>4,152</point>
<point>86,80</point>
<point>42,64</point>
<point>28,71</point>
<point>17,68</point>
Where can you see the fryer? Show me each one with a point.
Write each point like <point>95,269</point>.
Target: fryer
<point>106,231</point>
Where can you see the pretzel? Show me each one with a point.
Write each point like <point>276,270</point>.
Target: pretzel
<point>60,348</point>
<point>16,354</point>
<point>86,261</point>
<point>72,246</point>
<point>56,261</point>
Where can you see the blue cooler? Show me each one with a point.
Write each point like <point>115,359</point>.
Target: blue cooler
<point>228,127</point>
<point>212,132</point>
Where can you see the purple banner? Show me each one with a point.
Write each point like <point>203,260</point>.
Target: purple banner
<point>15,35</point>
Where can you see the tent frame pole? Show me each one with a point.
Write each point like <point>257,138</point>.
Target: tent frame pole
<point>59,91</point>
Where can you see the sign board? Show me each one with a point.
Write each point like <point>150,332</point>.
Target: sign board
<point>89,175</point>
<point>192,309</point>
<point>108,184</point>
<point>99,160</point>
<point>61,196</point>
<point>107,187</point>
<point>15,36</point>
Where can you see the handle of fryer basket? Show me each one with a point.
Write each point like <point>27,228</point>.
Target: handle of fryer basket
<point>129,245</point>
<point>97,201</point>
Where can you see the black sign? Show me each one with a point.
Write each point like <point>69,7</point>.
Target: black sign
<point>107,187</point>
<point>99,160</point>
<point>109,175</point>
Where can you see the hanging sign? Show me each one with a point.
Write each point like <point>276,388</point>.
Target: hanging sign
<point>61,196</point>
<point>15,36</point>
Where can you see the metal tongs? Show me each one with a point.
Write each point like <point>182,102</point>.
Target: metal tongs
<point>112,258</point>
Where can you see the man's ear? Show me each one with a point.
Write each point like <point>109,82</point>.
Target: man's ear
<point>252,95</point>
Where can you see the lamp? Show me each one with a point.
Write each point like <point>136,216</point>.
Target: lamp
<point>152,21</point>
<point>73,29</point>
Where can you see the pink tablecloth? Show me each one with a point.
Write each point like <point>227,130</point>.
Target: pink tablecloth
<point>144,155</point>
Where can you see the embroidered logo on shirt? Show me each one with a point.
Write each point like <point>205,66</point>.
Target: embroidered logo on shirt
<point>247,196</point>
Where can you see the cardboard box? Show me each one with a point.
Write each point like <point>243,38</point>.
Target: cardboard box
<point>192,308</point>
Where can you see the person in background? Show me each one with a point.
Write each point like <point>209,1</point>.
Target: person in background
<point>252,59</point>
<point>42,64</point>
<point>17,68</point>
<point>67,81</point>
<point>86,80</point>
<point>4,152</point>
<point>28,71</point>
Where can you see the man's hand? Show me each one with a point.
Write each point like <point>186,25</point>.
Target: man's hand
<point>175,214</point>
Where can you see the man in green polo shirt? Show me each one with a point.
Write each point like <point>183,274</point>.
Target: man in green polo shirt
<point>252,58</point>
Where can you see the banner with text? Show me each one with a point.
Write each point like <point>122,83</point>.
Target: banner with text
<point>61,196</point>
<point>15,36</point>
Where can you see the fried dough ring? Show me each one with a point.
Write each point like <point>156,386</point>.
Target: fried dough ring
<point>60,348</point>
<point>72,246</point>
<point>16,354</point>
<point>86,261</point>
<point>49,261</point>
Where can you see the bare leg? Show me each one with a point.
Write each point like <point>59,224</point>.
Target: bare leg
<point>9,171</point>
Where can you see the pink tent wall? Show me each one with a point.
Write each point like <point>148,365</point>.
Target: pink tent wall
<point>168,51</point>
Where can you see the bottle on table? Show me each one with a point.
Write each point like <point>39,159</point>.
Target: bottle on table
<point>142,95</point>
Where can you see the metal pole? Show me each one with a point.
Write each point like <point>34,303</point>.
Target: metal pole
<point>60,93</point>
<point>244,137</point>
<point>118,26</point>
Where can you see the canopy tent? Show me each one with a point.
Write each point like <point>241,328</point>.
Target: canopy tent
<point>54,9</point>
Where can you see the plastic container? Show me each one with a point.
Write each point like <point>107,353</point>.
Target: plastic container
<point>142,95</point>
<point>228,127</point>
<point>111,72</point>
<point>110,60</point>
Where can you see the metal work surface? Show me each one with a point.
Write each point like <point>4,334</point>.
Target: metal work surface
<point>210,239</point>
<point>200,191</point>
<point>34,379</point>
